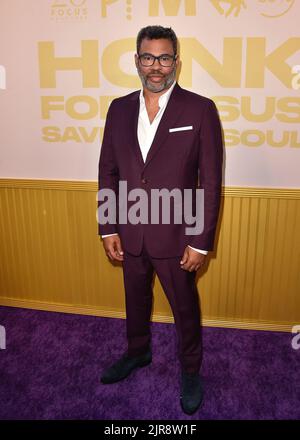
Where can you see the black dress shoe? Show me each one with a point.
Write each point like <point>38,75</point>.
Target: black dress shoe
<point>124,366</point>
<point>191,392</point>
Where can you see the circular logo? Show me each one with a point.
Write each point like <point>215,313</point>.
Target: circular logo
<point>274,8</point>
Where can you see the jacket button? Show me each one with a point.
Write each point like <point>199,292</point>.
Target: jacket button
<point>144,180</point>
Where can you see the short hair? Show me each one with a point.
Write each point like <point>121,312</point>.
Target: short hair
<point>156,33</point>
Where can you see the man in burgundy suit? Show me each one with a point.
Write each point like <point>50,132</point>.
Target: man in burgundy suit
<point>162,137</point>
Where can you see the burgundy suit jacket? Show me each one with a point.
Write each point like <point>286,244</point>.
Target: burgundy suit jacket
<point>179,159</point>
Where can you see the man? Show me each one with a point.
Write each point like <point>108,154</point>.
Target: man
<point>161,137</point>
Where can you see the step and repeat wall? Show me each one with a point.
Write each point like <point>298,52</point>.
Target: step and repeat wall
<point>61,64</point>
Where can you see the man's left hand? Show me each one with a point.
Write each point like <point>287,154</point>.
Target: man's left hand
<point>192,260</point>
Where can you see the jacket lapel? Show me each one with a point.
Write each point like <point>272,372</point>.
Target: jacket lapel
<point>171,114</point>
<point>133,124</point>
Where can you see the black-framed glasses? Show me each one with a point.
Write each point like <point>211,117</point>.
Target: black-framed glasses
<point>165,60</point>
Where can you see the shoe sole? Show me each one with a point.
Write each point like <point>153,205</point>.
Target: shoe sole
<point>141,365</point>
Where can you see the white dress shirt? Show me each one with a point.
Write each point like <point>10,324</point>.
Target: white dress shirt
<point>146,130</point>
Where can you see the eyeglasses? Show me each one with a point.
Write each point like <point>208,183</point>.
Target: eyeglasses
<point>165,60</point>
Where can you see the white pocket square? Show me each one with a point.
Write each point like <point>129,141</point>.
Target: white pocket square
<point>187,127</point>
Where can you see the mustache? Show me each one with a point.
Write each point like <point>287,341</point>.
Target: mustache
<point>155,73</point>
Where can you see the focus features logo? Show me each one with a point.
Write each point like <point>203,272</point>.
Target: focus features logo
<point>69,10</point>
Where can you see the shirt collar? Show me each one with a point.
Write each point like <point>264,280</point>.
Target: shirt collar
<point>163,99</point>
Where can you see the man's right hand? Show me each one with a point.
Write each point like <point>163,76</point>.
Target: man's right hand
<point>113,248</point>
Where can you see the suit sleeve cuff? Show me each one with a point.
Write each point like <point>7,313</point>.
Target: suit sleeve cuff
<point>199,250</point>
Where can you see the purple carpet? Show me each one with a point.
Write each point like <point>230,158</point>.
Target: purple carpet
<point>52,364</point>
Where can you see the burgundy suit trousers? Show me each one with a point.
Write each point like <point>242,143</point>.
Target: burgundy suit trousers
<point>181,291</point>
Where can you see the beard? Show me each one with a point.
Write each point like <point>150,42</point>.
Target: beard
<point>166,82</point>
